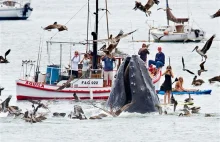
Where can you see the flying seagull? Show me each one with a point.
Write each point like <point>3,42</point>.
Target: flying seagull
<point>145,8</point>
<point>3,59</point>
<point>112,40</point>
<point>184,67</point>
<point>56,26</point>
<point>217,14</point>
<point>206,47</point>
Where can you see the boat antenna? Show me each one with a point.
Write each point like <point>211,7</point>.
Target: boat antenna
<point>95,37</point>
<point>167,6</point>
<point>38,58</point>
<point>87,30</point>
<point>106,11</point>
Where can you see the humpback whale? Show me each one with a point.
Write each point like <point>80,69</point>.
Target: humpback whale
<point>133,84</point>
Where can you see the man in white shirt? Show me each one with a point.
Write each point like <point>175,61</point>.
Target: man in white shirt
<point>74,64</point>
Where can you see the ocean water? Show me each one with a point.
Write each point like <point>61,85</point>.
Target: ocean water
<point>25,37</point>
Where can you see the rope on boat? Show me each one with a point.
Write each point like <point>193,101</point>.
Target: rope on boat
<point>71,18</point>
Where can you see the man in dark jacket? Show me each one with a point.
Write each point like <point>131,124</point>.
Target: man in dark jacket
<point>159,59</point>
<point>143,52</point>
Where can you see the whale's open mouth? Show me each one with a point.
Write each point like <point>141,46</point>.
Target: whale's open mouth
<point>133,84</point>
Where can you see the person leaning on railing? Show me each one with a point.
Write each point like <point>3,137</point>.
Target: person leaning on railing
<point>108,68</point>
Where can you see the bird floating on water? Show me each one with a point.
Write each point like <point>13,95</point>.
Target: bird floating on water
<point>197,82</point>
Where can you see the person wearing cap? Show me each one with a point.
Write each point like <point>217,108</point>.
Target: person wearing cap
<point>108,68</point>
<point>74,64</point>
<point>159,59</point>
<point>143,52</point>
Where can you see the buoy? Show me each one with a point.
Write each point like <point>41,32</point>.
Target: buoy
<point>166,32</point>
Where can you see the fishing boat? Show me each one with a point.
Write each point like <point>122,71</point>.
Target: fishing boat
<point>15,10</point>
<point>34,84</point>
<point>180,31</point>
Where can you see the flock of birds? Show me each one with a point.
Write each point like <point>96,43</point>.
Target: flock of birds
<point>33,116</point>
<point>187,111</point>
<point>145,8</point>
<point>202,52</point>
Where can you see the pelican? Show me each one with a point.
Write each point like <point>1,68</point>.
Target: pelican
<point>184,67</point>
<point>100,116</point>
<point>202,69</point>
<point>189,100</point>
<point>195,109</point>
<point>197,82</point>
<point>217,14</point>
<point>216,78</point>
<point>206,47</point>
<point>78,113</point>
<point>56,26</point>
<point>112,40</point>
<point>3,59</point>
<point>118,112</point>
<point>186,111</point>
<point>146,7</point>
<point>76,97</point>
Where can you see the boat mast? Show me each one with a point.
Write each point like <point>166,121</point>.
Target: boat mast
<point>106,11</point>
<point>167,6</point>
<point>87,29</point>
<point>95,37</point>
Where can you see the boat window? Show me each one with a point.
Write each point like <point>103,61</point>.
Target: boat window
<point>9,3</point>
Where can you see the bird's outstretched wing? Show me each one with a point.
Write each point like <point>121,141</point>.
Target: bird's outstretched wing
<point>183,63</point>
<point>6,103</point>
<point>217,14</point>
<point>208,44</point>
<point>149,4</point>
<point>124,35</point>
<point>113,46</point>
<point>189,71</point>
<point>7,52</point>
<point>202,65</point>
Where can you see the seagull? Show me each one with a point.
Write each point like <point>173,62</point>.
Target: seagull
<point>186,69</point>
<point>217,14</point>
<point>202,69</point>
<point>197,82</point>
<point>146,7</point>
<point>195,109</point>
<point>206,47</point>
<point>56,26</point>
<point>115,40</point>
<point>4,60</point>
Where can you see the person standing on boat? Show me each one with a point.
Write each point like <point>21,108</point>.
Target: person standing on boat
<point>159,59</point>
<point>143,51</point>
<point>108,68</point>
<point>167,85</point>
<point>85,69</point>
<point>74,62</point>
